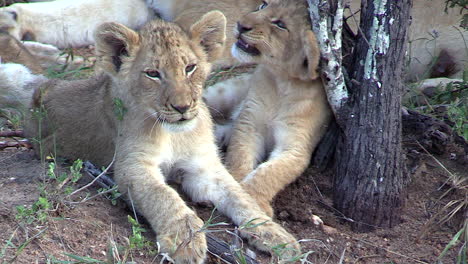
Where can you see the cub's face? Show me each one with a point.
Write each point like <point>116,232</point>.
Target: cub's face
<point>168,74</point>
<point>278,34</point>
<point>164,67</point>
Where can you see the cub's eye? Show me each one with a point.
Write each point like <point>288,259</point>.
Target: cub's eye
<point>153,74</point>
<point>190,68</point>
<point>279,24</point>
<point>262,6</point>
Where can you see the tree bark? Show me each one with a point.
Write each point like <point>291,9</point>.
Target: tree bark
<point>370,179</point>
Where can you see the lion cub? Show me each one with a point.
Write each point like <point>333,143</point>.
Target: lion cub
<point>145,114</point>
<point>284,111</point>
<point>70,23</point>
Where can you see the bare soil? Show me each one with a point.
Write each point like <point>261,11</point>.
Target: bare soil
<point>90,228</point>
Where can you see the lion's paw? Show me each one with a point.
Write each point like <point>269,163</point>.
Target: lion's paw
<point>270,237</point>
<point>184,241</point>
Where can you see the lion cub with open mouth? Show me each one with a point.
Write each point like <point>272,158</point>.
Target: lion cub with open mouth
<point>146,115</point>
<point>282,109</point>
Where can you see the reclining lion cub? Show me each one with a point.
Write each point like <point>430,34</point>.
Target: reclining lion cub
<point>70,23</point>
<point>284,111</point>
<point>153,80</point>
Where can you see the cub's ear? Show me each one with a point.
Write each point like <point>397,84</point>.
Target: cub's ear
<point>307,63</point>
<point>210,32</point>
<point>115,43</point>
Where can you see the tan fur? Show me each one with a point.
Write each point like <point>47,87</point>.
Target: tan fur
<point>17,83</point>
<point>186,12</point>
<point>21,68</point>
<point>70,23</point>
<point>9,23</point>
<point>153,140</point>
<point>13,51</point>
<point>35,56</point>
<point>285,110</point>
<point>48,22</point>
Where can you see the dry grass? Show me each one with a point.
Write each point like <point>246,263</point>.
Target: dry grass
<point>454,208</point>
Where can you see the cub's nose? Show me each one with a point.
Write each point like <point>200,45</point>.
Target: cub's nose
<point>181,108</point>
<point>242,28</point>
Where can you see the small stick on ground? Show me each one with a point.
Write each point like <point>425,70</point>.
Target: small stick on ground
<point>95,179</point>
<point>23,143</point>
<point>104,180</point>
<point>12,133</point>
<point>222,250</point>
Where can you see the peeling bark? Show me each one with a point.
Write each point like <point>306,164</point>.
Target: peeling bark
<point>328,30</point>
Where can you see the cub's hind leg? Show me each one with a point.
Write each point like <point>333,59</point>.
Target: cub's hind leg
<point>246,146</point>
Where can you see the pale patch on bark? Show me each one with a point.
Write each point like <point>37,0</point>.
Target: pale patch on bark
<point>329,38</point>
<point>379,40</point>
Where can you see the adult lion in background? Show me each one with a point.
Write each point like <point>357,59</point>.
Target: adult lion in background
<point>145,114</point>
<point>283,110</point>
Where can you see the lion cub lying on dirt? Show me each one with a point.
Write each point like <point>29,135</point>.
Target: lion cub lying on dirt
<point>283,111</point>
<point>146,115</point>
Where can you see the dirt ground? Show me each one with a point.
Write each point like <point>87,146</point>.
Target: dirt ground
<point>89,229</point>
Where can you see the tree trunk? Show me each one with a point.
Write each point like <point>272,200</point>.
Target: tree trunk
<point>370,179</point>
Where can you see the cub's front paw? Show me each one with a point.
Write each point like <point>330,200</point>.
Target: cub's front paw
<point>269,236</point>
<point>184,241</point>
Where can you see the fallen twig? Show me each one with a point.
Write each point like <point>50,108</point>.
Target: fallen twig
<point>12,133</point>
<point>104,180</point>
<point>222,250</point>
<point>95,179</point>
<point>22,143</point>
